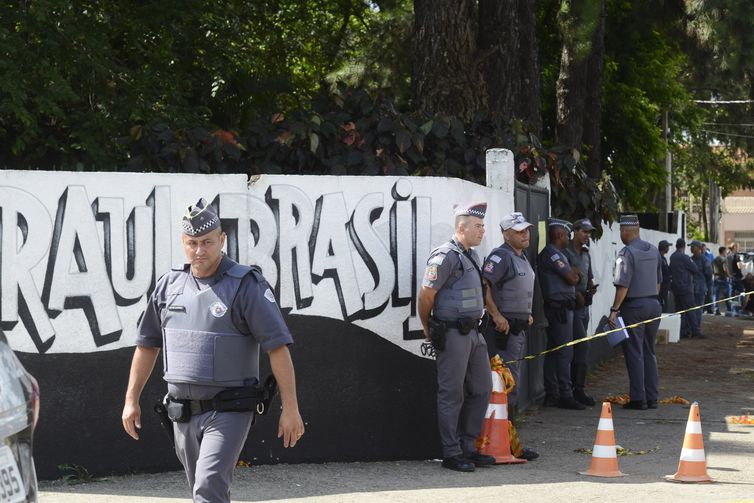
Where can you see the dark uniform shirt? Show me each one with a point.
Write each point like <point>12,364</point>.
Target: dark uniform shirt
<point>553,267</point>
<point>682,270</point>
<point>583,262</point>
<point>253,312</point>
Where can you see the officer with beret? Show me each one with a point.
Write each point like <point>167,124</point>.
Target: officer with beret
<point>683,270</point>
<point>451,303</point>
<point>210,317</point>
<point>557,280</point>
<point>578,255</point>
<point>509,294</point>
<point>638,275</point>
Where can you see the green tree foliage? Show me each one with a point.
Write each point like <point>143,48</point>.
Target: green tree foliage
<point>75,76</point>
<point>643,78</point>
<point>239,86</point>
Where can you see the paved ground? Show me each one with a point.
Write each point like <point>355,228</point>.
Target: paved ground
<point>718,372</point>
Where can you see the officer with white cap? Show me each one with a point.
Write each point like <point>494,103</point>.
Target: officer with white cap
<point>211,317</point>
<point>509,295</point>
<point>451,303</point>
<point>638,275</point>
<point>557,279</point>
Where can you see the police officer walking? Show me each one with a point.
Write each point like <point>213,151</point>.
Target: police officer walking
<point>638,275</point>
<point>211,317</point>
<point>509,295</point>
<point>451,303</point>
<point>557,280</point>
<point>578,255</point>
<point>683,270</point>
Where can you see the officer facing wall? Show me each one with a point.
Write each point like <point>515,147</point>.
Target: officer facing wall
<point>451,303</point>
<point>557,280</point>
<point>211,317</point>
<point>638,275</point>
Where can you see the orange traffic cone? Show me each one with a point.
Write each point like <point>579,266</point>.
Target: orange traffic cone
<point>495,440</point>
<point>604,455</point>
<point>693,464</point>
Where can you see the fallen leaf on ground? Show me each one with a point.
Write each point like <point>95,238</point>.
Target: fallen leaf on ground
<point>621,399</point>
<point>675,399</point>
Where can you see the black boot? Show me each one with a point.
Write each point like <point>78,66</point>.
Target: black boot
<point>578,377</point>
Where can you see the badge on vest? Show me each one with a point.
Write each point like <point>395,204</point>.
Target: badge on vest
<point>218,309</point>
<point>179,309</point>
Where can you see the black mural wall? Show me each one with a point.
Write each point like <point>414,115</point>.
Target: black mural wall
<point>361,397</point>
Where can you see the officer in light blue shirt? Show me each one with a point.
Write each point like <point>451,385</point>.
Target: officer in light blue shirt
<point>452,301</point>
<point>210,317</point>
<point>638,274</point>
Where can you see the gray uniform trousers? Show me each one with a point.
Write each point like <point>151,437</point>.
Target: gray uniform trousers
<point>639,348</point>
<point>685,300</point>
<point>208,446</point>
<point>464,384</point>
<point>514,350</point>
<point>697,313</point>
<point>580,325</point>
<point>558,364</point>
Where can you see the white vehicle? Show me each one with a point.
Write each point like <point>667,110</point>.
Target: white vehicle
<point>19,410</point>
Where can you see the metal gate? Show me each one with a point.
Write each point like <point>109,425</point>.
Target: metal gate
<point>534,203</point>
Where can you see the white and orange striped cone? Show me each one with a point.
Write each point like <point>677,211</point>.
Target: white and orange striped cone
<point>693,464</point>
<point>495,440</point>
<point>604,453</point>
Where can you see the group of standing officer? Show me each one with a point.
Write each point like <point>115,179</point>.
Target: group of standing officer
<point>454,295</point>
<point>211,317</point>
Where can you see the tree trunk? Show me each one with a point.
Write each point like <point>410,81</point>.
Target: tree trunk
<point>446,74</point>
<point>508,41</point>
<point>578,23</point>
<point>592,137</point>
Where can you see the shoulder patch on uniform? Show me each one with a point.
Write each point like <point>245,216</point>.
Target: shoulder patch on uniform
<point>489,266</point>
<point>430,274</point>
<point>269,295</point>
<point>560,264</point>
<point>555,257</point>
<point>495,258</point>
<point>618,260</point>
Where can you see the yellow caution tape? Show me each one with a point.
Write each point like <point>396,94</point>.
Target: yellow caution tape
<point>633,325</point>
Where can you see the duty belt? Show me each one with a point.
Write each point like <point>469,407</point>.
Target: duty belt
<point>464,325</point>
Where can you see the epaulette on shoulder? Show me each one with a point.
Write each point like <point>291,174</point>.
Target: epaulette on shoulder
<point>180,267</point>
<point>241,270</point>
